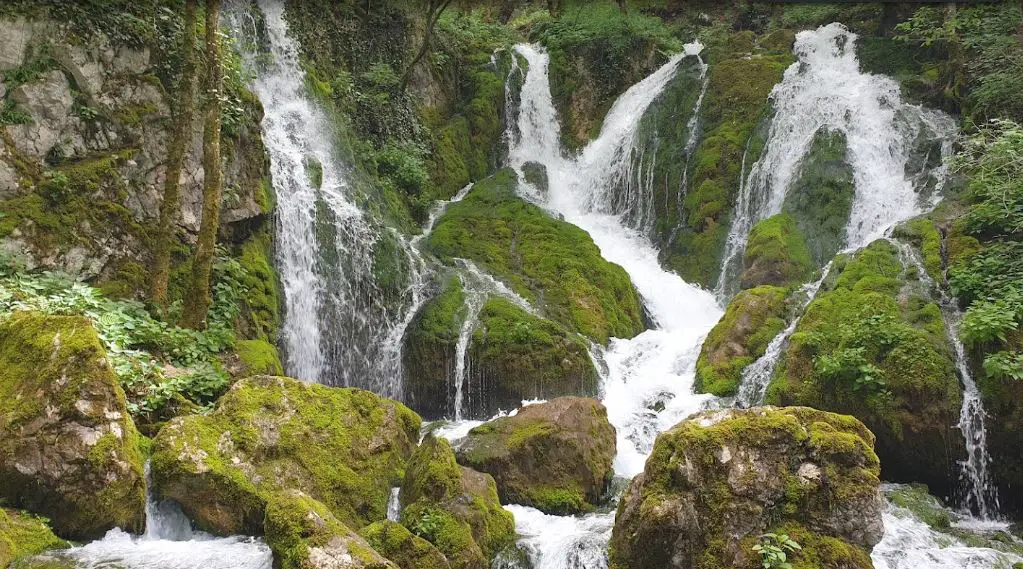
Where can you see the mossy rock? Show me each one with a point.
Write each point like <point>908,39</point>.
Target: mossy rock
<point>717,481</point>
<point>343,447</point>
<point>68,448</point>
<point>776,254</point>
<point>552,263</point>
<point>429,351</point>
<point>259,357</point>
<point>407,550</point>
<point>453,507</point>
<point>304,534</point>
<point>535,174</point>
<point>516,356</point>
<point>735,107</point>
<point>821,196</point>
<point>555,456</point>
<point>753,318</point>
<point>23,535</point>
<point>917,499</point>
<point>871,346</point>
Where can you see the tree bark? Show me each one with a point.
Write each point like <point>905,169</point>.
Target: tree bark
<point>197,302</point>
<point>432,15</point>
<point>180,135</point>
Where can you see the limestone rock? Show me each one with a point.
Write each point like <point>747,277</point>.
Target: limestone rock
<point>409,551</point>
<point>343,447</point>
<point>48,101</point>
<point>555,456</point>
<point>304,534</point>
<point>453,507</point>
<point>716,482</point>
<point>68,449</point>
<point>14,36</point>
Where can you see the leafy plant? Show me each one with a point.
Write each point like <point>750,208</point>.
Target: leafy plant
<point>427,525</point>
<point>11,114</point>
<point>1004,365</point>
<point>775,550</point>
<point>990,321</point>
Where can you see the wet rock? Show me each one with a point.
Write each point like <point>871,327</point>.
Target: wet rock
<point>304,534</point>
<point>718,481</point>
<point>555,456</point>
<point>776,254</point>
<point>343,447</point>
<point>407,550</point>
<point>68,449</point>
<point>23,535</point>
<point>453,507</point>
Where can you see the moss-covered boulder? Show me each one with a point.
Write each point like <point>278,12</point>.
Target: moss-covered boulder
<point>718,481</point>
<point>259,357</point>
<point>874,346</point>
<point>409,551</point>
<point>821,196</point>
<point>68,448</point>
<point>304,534</point>
<point>776,254</point>
<point>555,456</point>
<point>753,318</point>
<point>453,507</point>
<point>343,447</point>
<point>23,535</point>
<point>512,355</point>
<point>552,263</point>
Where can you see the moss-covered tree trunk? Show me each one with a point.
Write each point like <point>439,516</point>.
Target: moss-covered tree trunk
<point>433,12</point>
<point>197,301</point>
<point>182,129</point>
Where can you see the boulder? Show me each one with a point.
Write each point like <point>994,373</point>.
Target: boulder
<point>555,456</point>
<point>304,534</point>
<point>873,345</point>
<point>23,535</point>
<point>409,551</point>
<point>453,507</point>
<point>716,482</point>
<point>14,36</point>
<point>68,448</point>
<point>343,447</point>
<point>776,254</point>
<point>753,318</point>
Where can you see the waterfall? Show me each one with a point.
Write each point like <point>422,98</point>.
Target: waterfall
<point>394,504</point>
<point>341,326</point>
<point>757,375</point>
<point>980,492</point>
<point>168,543</point>
<point>825,89</point>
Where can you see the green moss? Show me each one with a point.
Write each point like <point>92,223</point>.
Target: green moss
<point>922,233</point>
<point>407,550</point>
<point>259,357</point>
<point>818,550</point>
<point>865,348</point>
<point>736,102</point>
<point>820,199</point>
<point>752,319</point>
<point>104,485</point>
<point>261,303</point>
<point>297,524</point>
<point>776,254</point>
<point>917,499</point>
<point>430,348</point>
<point>560,501</point>
<point>453,537</point>
<point>268,434</point>
<point>23,535</point>
<point>552,263</point>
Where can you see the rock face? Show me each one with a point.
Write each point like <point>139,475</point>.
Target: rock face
<point>719,480</point>
<point>304,534</point>
<point>22,535</point>
<point>343,447</point>
<point>874,346</point>
<point>750,322</point>
<point>776,254</point>
<point>68,448</point>
<point>453,507</point>
<point>555,456</point>
<point>407,550</point>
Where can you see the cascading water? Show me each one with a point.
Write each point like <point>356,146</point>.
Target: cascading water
<point>825,89</point>
<point>341,326</point>
<point>169,543</point>
<point>980,495</point>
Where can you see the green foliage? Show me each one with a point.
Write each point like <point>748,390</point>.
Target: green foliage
<point>141,349</point>
<point>993,158</point>
<point>23,534</point>
<point>775,549</point>
<point>10,114</point>
<point>427,523</point>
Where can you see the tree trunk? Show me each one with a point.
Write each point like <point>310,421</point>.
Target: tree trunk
<point>181,134</point>
<point>432,15</point>
<point>197,302</point>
